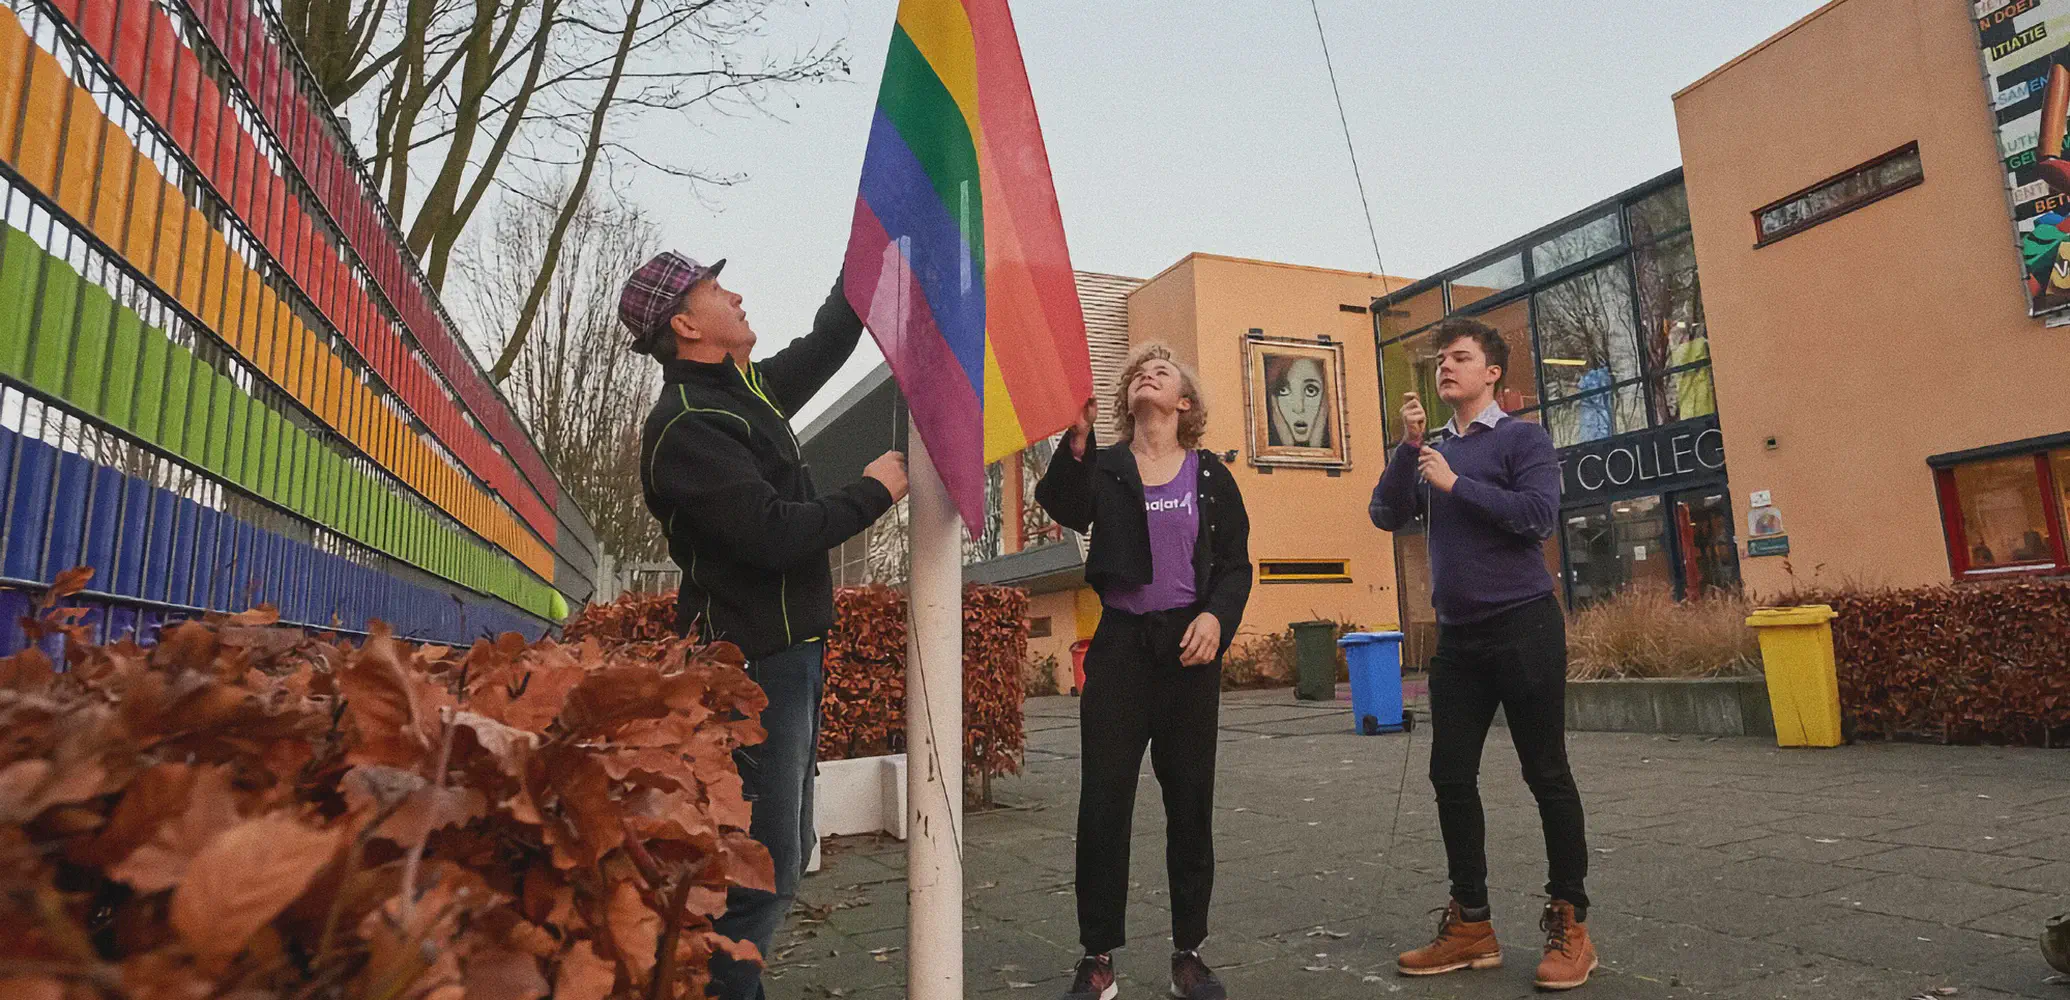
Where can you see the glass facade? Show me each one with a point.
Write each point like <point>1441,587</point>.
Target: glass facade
<point>1603,313</point>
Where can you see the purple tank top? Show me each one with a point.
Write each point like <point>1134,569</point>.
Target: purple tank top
<point>1174,513</point>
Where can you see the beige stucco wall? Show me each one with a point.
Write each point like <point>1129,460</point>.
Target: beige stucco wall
<point>1874,340</point>
<point>1202,306</point>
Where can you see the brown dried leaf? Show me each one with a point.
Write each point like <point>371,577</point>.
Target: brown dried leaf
<point>635,928</point>
<point>264,614</point>
<point>28,670</point>
<point>383,708</point>
<point>32,988</point>
<point>162,861</point>
<point>153,799</point>
<point>501,974</point>
<point>584,975</point>
<point>243,879</point>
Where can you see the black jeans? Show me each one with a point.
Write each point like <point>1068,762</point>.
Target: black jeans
<point>1517,660</point>
<point>1136,695</point>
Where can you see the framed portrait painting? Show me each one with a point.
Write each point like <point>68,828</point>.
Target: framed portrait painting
<point>1294,402</point>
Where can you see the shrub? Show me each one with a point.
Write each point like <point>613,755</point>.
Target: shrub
<point>1967,663</point>
<point>241,811</point>
<point>864,707</point>
<point>1645,632</point>
<point>1039,676</point>
<point>1267,660</point>
<point>864,710</point>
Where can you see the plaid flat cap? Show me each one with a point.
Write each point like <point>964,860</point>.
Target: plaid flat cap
<point>655,292</point>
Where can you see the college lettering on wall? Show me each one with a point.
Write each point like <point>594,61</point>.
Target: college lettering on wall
<point>2025,46</point>
<point>1664,458</point>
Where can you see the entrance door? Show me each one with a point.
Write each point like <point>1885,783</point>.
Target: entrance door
<point>1709,549</point>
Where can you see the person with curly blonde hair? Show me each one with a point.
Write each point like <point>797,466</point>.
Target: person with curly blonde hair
<point>1170,558</point>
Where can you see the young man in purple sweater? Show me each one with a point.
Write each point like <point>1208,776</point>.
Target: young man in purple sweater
<point>1488,486</point>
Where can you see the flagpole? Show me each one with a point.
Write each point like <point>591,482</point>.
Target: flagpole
<point>934,737</point>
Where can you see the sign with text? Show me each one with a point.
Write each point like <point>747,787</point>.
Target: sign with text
<point>1664,458</point>
<point>2027,68</point>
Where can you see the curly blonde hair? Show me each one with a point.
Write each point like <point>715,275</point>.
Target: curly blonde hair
<point>1192,421</point>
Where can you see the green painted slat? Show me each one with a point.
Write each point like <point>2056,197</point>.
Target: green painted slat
<point>58,317</point>
<point>233,448</point>
<point>179,371</point>
<point>269,458</point>
<point>254,447</point>
<point>150,386</point>
<point>20,258</point>
<point>201,393</point>
<point>124,357</point>
<point>220,395</point>
<point>96,320</point>
<point>301,497</point>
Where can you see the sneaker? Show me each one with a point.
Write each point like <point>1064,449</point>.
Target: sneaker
<point>1460,944</point>
<point>1569,955</point>
<point>1193,980</point>
<point>1094,979</point>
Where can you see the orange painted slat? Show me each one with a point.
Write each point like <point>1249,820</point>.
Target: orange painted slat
<point>14,61</point>
<point>193,255</point>
<point>79,157</point>
<point>214,282</point>
<point>231,294</point>
<point>43,110</point>
<point>147,187</point>
<point>111,203</point>
<point>247,337</point>
<point>165,254</point>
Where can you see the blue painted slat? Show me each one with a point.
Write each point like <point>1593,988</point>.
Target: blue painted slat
<point>68,515</point>
<point>181,571</point>
<point>104,510</point>
<point>158,561</point>
<point>28,510</point>
<point>205,544</point>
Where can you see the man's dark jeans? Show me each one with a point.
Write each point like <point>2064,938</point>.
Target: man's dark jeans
<point>1516,660</point>
<point>776,776</point>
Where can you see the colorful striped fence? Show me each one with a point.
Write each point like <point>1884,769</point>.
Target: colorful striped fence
<point>222,378</point>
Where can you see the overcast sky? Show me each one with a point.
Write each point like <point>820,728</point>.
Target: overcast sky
<point>1176,127</point>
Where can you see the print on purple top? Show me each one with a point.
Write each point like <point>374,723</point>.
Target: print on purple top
<point>1174,517</point>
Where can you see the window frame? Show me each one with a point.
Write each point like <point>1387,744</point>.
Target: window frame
<point>1956,534</point>
<point>1343,576</point>
<point>1845,208</point>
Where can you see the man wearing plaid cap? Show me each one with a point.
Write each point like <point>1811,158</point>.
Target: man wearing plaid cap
<point>723,474</point>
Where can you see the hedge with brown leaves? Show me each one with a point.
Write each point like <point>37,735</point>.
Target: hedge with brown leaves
<point>1962,664</point>
<point>249,812</point>
<point>864,707</point>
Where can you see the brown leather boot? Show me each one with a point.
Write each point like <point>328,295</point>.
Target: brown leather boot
<point>1459,945</point>
<point>1569,955</point>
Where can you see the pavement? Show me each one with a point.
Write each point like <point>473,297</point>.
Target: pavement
<point>1719,868</point>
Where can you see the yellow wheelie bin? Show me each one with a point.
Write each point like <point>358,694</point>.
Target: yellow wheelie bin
<point>1803,687</point>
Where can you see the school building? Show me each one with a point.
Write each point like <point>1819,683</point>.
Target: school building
<point>1827,351</point>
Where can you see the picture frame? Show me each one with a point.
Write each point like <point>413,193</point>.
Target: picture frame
<point>1295,412</point>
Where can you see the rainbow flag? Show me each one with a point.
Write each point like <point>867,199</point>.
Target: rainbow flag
<point>957,260</point>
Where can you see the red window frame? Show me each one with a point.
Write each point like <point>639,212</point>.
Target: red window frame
<point>1958,537</point>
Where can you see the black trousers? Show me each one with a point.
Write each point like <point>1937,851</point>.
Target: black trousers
<point>1518,661</point>
<point>1137,695</point>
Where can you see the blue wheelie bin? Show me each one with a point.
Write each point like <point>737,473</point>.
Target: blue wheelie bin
<point>1375,660</point>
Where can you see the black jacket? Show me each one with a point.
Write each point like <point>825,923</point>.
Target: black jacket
<point>1104,493</point>
<point>723,474</point>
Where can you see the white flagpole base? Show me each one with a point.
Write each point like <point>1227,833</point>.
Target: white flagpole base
<point>934,738</point>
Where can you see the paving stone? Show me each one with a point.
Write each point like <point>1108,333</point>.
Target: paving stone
<point>1729,895</point>
<point>1939,900</point>
<point>1896,943</point>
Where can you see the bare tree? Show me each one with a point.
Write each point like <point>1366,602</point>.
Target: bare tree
<point>470,96</point>
<point>573,382</point>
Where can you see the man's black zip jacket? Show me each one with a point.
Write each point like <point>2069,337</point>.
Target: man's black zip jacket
<point>724,475</point>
